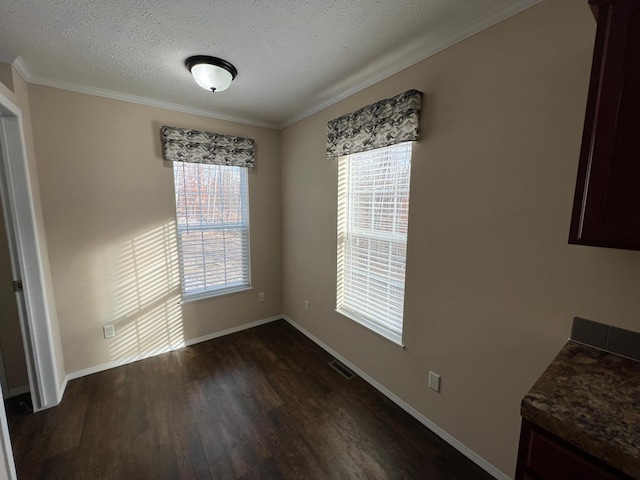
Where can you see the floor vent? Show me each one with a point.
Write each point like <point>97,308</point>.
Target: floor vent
<point>341,369</point>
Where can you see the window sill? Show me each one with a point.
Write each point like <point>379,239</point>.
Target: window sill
<point>373,328</point>
<point>217,293</point>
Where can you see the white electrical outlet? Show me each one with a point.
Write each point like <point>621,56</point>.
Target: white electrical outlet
<point>261,297</point>
<point>434,381</point>
<point>306,305</point>
<point>109,331</point>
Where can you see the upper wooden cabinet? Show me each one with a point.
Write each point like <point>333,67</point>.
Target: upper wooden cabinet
<point>606,209</point>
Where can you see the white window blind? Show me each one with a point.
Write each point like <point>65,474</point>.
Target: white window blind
<point>373,209</point>
<point>213,228</point>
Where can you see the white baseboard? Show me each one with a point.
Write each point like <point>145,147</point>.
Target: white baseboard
<point>14,392</point>
<point>62,388</point>
<point>466,451</point>
<point>159,351</point>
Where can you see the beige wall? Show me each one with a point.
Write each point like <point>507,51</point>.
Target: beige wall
<point>492,284</point>
<point>6,78</point>
<point>109,211</point>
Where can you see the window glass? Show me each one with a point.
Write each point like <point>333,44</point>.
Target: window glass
<point>213,228</point>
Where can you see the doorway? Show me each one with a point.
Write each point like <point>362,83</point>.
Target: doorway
<point>29,264</point>
<point>14,376</point>
<point>27,247</point>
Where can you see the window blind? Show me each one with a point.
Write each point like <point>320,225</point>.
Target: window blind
<point>373,209</point>
<point>213,228</point>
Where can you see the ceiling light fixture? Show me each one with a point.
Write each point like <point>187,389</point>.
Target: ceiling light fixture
<point>211,73</point>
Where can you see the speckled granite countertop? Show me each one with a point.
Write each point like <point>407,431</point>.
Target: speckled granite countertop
<point>591,399</point>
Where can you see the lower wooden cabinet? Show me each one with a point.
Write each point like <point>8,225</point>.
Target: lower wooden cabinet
<point>543,456</point>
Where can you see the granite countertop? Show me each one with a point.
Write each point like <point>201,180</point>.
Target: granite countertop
<point>591,398</point>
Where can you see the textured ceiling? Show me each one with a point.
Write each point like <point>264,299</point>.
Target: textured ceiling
<point>293,56</point>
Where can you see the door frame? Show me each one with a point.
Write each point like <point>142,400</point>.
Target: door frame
<point>27,244</point>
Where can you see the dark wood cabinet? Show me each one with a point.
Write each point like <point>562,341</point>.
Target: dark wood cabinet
<point>606,210</point>
<point>543,456</point>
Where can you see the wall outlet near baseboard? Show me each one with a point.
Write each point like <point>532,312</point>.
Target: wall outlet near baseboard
<point>306,305</point>
<point>109,331</point>
<point>261,297</point>
<point>434,381</point>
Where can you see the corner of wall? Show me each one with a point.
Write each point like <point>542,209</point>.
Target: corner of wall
<point>6,76</point>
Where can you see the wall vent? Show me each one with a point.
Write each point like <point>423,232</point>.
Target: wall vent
<point>341,369</point>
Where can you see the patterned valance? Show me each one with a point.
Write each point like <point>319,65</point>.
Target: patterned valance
<point>183,145</point>
<point>387,122</point>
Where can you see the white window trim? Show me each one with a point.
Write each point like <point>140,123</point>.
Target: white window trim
<point>210,294</point>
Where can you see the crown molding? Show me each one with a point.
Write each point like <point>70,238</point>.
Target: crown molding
<point>22,69</point>
<point>150,102</point>
<point>389,65</point>
<point>406,57</point>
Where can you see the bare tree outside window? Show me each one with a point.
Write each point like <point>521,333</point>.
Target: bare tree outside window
<point>213,228</point>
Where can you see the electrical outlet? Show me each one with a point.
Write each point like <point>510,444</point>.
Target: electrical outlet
<point>434,381</point>
<point>261,297</point>
<point>109,331</point>
<point>306,305</point>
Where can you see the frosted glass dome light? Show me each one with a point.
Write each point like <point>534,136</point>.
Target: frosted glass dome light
<point>211,73</point>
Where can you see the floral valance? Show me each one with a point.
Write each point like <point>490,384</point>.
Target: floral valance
<point>184,145</point>
<point>387,122</point>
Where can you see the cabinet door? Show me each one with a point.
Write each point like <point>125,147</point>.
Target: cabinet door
<point>606,209</point>
<point>542,456</point>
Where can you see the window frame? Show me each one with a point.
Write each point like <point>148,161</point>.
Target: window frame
<point>346,233</point>
<point>242,227</point>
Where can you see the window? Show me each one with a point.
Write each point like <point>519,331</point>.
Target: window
<point>213,228</point>
<point>373,208</point>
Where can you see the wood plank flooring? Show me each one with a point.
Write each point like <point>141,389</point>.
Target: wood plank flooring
<point>259,404</point>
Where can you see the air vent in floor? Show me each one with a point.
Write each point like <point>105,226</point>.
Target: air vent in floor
<point>341,369</point>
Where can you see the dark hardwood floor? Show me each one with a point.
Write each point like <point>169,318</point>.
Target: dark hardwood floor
<point>259,404</point>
